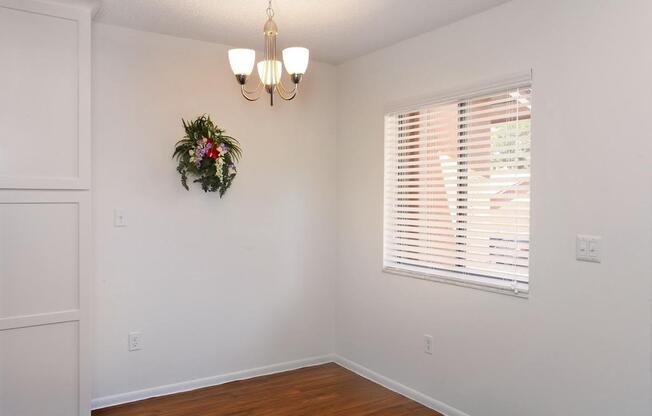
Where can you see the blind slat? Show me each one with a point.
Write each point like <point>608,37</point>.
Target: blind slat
<point>453,108</point>
<point>473,248</point>
<point>462,239</point>
<point>496,281</point>
<point>461,253</point>
<point>434,136</point>
<point>493,219</point>
<point>487,269</point>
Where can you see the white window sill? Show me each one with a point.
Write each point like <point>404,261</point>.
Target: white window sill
<point>477,284</point>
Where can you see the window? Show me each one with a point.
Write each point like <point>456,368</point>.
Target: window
<point>457,190</point>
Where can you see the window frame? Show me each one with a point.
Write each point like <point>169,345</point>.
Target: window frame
<point>485,283</point>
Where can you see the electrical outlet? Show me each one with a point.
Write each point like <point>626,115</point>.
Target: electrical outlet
<point>135,341</point>
<point>427,344</point>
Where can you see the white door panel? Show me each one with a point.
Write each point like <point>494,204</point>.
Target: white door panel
<point>38,104</point>
<point>39,371</point>
<point>45,100</point>
<point>39,257</point>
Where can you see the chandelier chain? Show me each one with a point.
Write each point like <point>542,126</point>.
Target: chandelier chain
<point>270,11</point>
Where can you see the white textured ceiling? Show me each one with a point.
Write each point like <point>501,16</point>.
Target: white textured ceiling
<point>333,30</point>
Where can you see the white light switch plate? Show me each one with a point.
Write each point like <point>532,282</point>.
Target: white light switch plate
<point>119,218</point>
<point>135,341</point>
<point>427,344</point>
<point>588,248</point>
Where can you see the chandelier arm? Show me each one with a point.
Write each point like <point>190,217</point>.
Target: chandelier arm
<point>287,97</point>
<point>282,87</point>
<point>246,93</point>
<point>255,91</point>
<point>283,90</point>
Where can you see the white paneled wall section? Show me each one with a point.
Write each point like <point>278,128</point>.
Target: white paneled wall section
<point>44,209</point>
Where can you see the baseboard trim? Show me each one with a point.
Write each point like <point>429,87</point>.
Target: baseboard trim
<point>135,396</point>
<point>384,381</point>
<point>399,388</point>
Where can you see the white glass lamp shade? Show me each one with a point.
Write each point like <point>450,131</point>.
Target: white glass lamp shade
<point>242,61</point>
<point>270,72</point>
<point>296,60</point>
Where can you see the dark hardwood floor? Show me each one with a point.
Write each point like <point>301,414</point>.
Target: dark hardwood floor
<point>325,390</point>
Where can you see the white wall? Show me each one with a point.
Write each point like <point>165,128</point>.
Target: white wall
<point>215,285</point>
<point>580,345</point>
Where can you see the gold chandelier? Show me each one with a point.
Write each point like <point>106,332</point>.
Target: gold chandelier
<point>270,69</point>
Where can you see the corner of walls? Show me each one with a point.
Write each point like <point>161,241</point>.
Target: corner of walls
<point>399,388</point>
<point>248,277</point>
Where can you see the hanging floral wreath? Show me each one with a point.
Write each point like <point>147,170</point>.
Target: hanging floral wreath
<point>208,155</point>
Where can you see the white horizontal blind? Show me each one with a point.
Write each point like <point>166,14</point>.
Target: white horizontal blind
<point>457,189</point>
